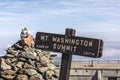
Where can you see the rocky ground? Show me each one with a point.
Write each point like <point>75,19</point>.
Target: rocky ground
<point>26,63</point>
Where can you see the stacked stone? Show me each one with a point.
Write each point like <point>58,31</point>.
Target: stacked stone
<point>26,63</point>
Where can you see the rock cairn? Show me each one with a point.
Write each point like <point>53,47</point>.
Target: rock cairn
<point>24,62</point>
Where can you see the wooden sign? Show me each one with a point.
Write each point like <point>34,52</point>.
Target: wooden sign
<point>64,44</point>
<point>69,45</point>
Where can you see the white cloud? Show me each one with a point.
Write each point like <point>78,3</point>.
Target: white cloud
<point>61,12</point>
<point>64,8</point>
<point>6,20</point>
<point>111,53</point>
<point>98,7</point>
<point>101,17</point>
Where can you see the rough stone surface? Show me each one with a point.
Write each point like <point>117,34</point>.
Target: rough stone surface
<point>24,62</point>
<point>36,77</point>
<point>51,66</point>
<point>8,72</point>
<point>19,64</point>
<point>43,69</point>
<point>4,65</point>
<point>7,77</point>
<point>22,77</point>
<point>28,55</point>
<point>30,71</point>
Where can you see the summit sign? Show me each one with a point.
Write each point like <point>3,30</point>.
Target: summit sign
<point>69,44</point>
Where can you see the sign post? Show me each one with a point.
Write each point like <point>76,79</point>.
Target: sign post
<point>66,59</point>
<point>69,45</point>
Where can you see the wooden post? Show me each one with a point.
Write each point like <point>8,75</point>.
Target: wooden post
<point>66,59</point>
<point>88,47</point>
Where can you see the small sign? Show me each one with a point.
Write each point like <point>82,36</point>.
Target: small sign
<point>64,44</point>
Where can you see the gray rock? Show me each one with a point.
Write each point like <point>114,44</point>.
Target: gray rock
<point>51,66</point>
<point>8,50</point>
<point>21,71</point>
<point>26,66</point>
<point>56,74</point>
<point>21,77</point>
<point>28,55</point>
<point>1,79</point>
<point>36,77</point>
<point>21,59</point>
<point>38,50</point>
<point>8,77</point>
<point>51,61</point>
<point>14,67</point>
<point>8,61</point>
<point>18,45</point>
<point>19,64</point>
<point>29,49</point>
<point>13,60</point>
<point>39,65</point>
<point>9,55</point>
<point>39,54</point>
<point>49,74</point>
<point>43,69</point>
<point>31,62</point>
<point>30,71</point>
<point>44,58</point>
<point>8,72</point>
<point>4,66</point>
<point>46,53</point>
<point>37,58</point>
<point>11,51</point>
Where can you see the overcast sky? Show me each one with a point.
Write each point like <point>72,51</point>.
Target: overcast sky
<point>91,18</point>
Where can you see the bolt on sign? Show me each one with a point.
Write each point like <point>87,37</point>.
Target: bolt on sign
<point>69,44</point>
